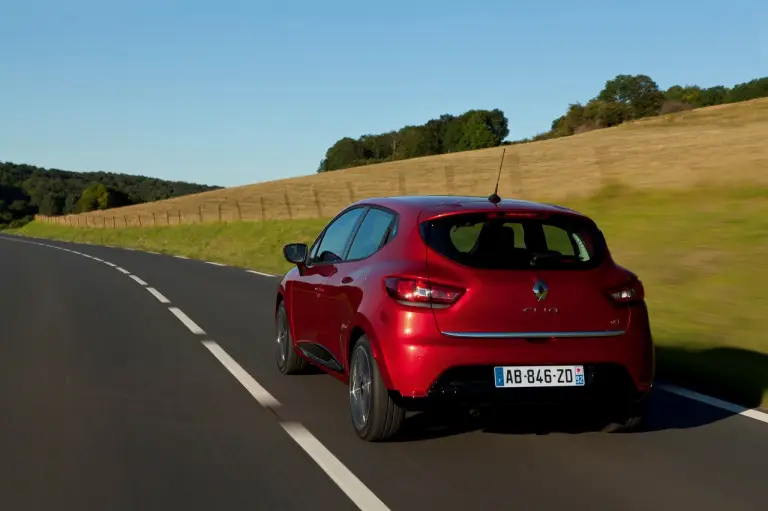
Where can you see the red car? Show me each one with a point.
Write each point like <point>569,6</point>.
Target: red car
<point>464,301</point>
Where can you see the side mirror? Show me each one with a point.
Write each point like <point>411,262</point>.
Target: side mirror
<point>296,253</point>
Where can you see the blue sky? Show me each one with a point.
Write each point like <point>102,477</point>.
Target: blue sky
<point>230,93</point>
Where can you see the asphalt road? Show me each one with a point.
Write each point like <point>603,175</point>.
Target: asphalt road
<point>108,400</point>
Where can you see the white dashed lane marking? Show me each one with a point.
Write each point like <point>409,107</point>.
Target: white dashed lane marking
<point>187,321</point>
<point>156,294</point>
<point>258,392</point>
<point>353,487</point>
<point>215,264</point>
<point>361,495</point>
<point>261,273</point>
<point>138,280</point>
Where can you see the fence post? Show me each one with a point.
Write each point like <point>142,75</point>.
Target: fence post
<point>449,180</point>
<point>218,210</point>
<point>139,217</point>
<point>288,204</point>
<point>351,192</point>
<point>239,213</point>
<point>200,212</point>
<point>317,202</point>
<point>263,210</point>
<point>179,216</point>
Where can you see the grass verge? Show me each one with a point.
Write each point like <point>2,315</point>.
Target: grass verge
<point>701,254</point>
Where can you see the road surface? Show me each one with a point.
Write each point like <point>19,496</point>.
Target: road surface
<point>113,396</point>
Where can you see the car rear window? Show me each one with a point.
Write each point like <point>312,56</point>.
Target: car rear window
<point>509,243</point>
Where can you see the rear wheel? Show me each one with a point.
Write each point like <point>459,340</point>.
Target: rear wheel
<point>288,361</point>
<point>375,416</point>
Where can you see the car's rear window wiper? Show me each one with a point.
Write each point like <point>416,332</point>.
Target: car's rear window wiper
<point>551,257</point>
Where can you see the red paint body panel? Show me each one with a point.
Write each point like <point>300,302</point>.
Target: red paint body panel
<point>330,304</point>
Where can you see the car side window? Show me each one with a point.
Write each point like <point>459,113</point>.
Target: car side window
<point>371,233</point>
<point>331,247</point>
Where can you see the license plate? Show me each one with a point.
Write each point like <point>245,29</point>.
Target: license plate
<point>539,376</point>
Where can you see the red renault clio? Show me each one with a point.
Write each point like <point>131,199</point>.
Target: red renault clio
<point>466,301</point>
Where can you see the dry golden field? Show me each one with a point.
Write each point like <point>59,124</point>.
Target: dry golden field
<point>721,145</point>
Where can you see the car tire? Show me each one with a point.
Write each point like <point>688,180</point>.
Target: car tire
<point>287,358</point>
<point>375,416</point>
<point>630,420</point>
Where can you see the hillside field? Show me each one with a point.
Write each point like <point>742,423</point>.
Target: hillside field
<point>700,252</point>
<point>719,145</point>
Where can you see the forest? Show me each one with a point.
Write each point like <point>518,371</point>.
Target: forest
<point>26,190</point>
<point>623,98</point>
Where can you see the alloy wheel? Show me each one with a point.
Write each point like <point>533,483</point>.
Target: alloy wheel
<point>360,388</point>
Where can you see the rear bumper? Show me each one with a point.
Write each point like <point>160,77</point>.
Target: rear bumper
<point>605,385</point>
<point>434,368</point>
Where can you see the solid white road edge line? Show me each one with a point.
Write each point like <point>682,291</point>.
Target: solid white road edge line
<point>717,403</point>
<point>157,295</point>
<point>187,321</point>
<point>260,273</point>
<point>358,492</point>
<point>674,389</point>
<point>253,387</point>
<point>138,280</point>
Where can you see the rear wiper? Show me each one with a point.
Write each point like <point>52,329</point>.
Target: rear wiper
<point>549,257</point>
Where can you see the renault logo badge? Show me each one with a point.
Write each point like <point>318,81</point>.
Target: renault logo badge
<point>540,290</point>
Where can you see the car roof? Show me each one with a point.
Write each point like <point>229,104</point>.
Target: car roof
<point>447,203</point>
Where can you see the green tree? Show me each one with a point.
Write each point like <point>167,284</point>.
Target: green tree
<point>344,153</point>
<point>639,94</point>
<point>473,129</point>
<point>49,205</point>
<point>713,96</point>
<point>53,191</point>
<point>753,89</point>
<point>604,114</point>
<point>690,94</point>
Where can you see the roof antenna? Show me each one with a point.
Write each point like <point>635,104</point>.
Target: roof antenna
<point>494,197</point>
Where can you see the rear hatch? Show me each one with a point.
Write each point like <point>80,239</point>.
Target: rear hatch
<point>522,272</point>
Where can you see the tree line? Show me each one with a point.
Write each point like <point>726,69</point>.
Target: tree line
<point>26,190</point>
<point>474,129</point>
<point>623,98</point>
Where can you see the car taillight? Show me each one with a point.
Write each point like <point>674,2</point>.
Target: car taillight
<point>631,292</point>
<point>421,292</point>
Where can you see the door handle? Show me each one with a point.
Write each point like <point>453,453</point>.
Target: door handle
<point>346,280</point>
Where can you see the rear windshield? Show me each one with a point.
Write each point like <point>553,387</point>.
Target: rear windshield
<point>510,243</point>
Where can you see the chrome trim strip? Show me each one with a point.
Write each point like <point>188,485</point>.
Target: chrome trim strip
<point>534,335</point>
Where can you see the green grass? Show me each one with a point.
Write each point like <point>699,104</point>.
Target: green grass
<point>254,245</point>
<point>701,254</point>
